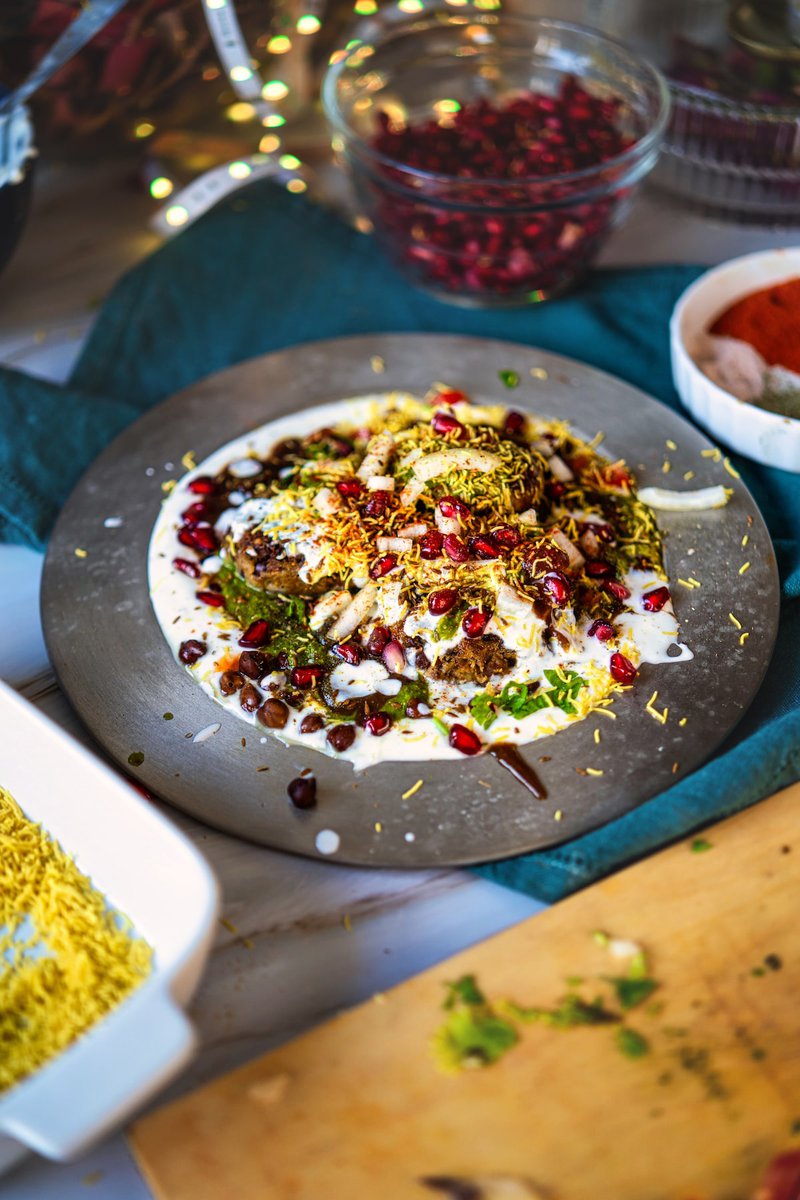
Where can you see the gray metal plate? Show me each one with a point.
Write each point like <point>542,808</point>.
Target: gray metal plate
<point>115,666</point>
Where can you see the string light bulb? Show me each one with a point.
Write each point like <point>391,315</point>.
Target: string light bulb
<point>144,129</point>
<point>273,121</point>
<point>280,44</point>
<point>275,89</point>
<point>296,186</point>
<point>289,162</point>
<point>308,24</point>
<point>161,187</point>
<point>176,215</point>
<point>240,170</point>
<point>240,111</point>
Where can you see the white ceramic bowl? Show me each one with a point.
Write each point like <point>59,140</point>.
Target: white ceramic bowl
<point>152,873</point>
<point>764,436</point>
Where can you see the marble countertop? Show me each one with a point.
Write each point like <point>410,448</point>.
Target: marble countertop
<point>302,961</point>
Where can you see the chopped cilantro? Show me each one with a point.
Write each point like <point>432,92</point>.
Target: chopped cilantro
<point>637,968</point>
<point>699,845</point>
<point>522,699</point>
<point>570,1011</point>
<point>600,937</point>
<point>631,992</point>
<point>483,710</point>
<point>473,1034</point>
<point>630,1043</point>
<point>464,991</point>
<point>509,379</point>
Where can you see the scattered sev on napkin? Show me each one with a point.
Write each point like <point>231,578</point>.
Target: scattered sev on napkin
<point>271,270</point>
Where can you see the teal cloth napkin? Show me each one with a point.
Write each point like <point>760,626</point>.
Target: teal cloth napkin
<point>268,270</point>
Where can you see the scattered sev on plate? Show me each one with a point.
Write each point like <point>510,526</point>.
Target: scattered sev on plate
<point>66,957</point>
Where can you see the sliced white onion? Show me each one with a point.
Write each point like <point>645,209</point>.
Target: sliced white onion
<point>560,470</point>
<point>545,447</point>
<point>411,492</point>
<point>454,459</point>
<point>380,483</point>
<point>415,530</point>
<point>446,525</point>
<point>710,497</point>
<point>511,603</point>
<point>327,502</point>
<point>379,451</point>
<point>327,607</point>
<point>392,605</point>
<point>572,552</point>
<point>357,611</point>
<point>528,517</point>
<point>393,545</point>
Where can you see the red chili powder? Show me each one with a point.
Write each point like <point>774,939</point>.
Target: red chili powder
<point>770,321</point>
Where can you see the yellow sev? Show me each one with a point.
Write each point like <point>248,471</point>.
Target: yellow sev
<point>66,958</point>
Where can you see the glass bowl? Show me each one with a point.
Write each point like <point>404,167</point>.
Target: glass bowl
<point>489,241</point>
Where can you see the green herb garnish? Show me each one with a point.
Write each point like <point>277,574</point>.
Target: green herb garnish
<point>483,710</point>
<point>440,725</point>
<point>136,758</point>
<point>473,1034</point>
<point>630,1043</point>
<point>631,992</point>
<point>699,845</point>
<point>509,379</point>
<point>570,1012</point>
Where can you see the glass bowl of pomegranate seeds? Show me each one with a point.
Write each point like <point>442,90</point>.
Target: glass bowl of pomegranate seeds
<point>493,153</point>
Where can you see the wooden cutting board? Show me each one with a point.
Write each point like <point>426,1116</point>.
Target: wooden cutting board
<point>357,1109</point>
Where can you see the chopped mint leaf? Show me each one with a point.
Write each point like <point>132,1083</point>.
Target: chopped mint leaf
<point>522,699</point>
<point>296,608</point>
<point>483,710</point>
<point>630,1043</point>
<point>631,992</point>
<point>699,845</point>
<point>509,379</point>
<point>440,725</point>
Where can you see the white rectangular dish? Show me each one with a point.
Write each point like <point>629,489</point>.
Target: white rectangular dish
<point>150,872</point>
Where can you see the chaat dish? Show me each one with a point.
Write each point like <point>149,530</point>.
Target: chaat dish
<point>400,577</point>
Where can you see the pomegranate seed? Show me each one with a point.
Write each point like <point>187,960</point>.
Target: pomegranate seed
<point>255,635</point>
<point>622,669</point>
<point>449,396</point>
<point>376,505</point>
<point>383,566</point>
<point>557,587</point>
<point>507,536</point>
<point>378,640</point>
<point>465,740</point>
<point>394,657</point>
<point>598,568</point>
<point>378,724</point>
<point>189,568</point>
<point>213,599</point>
<point>441,602</point>
<point>555,489</point>
<point>475,621</point>
<point>430,545</point>
<point>514,424</point>
<point>306,677</point>
<point>484,546</point>
<point>351,652</point>
<point>349,487</point>
<point>303,791</point>
<point>616,589</point>
<point>195,513</point>
<point>202,538</point>
<point>781,1180</point>
<point>455,548</point>
<point>445,423</point>
<point>451,506</point>
<point>189,652</point>
<point>204,485</point>
<point>654,601</point>
<point>602,630</point>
